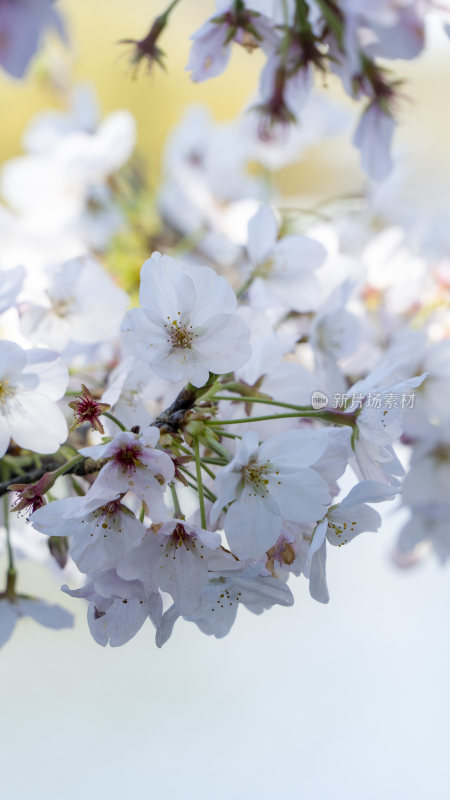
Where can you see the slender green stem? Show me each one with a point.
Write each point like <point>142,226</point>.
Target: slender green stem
<point>198,469</point>
<point>218,448</point>
<point>69,449</point>
<point>176,502</point>
<point>324,416</point>
<point>37,461</point>
<point>68,465</point>
<point>185,450</point>
<point>114,419</point>
<point>76,487</point>
<point>244,286</point>
<point>142,513</point>
<point>230,436</point>
<point>206,469</point>
<point>190,483</point>
<point>240,420</point>
<point>9,550</point>
<point>244,399</point>
<point>170,8</point>
<point>193,484</point>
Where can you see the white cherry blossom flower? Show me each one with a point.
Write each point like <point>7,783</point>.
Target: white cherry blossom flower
<point>266,484</point>
<point>221,597</point>
<point>379,423</point>
<point>30,383</point>
<point>48,128</point>
<point>284,268</point>
<point>117,608</point>
<point>11,284</point>
<point>68,189</point>
<point>427,526</point>
<point>211,46</point>
<point>22,24</point>
<point>174,558</point>
<point>373,138</point>
<point>334,335</point>
<point>72,310</point>
<point>134,464</point>
<point>14,608</point>
<point>341,524</point>
<point>186,326</point>
<point>99,538</point>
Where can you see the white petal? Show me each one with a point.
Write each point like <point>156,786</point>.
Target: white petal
<point>213,295</point>
<point>224,343</point>
<point>318,580</point>
<point>262,234</point>
<point>252,525</point>
<point>37,423</point>
<point>46,614</point>
<point>293,449</point>
<point>301,496</point>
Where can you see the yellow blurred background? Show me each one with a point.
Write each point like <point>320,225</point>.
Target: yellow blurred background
<point>158,99</point>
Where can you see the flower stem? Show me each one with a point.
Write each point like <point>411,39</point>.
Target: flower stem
<point>244,399</point>
<point>334,417</point>
<point>11,572</point>
<point>207,470</point>
<point>170,8</point>
<point>9,549</point>
<point>198,469</point>
<point>244,286</point>
<point>217,447</point>
<point>192,483</point>
<point>176,502</point>
<point>114,419</point>
<point>67,466</point>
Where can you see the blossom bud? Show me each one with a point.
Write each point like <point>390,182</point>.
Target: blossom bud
<point>31,496</point>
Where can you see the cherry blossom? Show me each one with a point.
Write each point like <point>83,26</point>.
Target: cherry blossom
<point>186,326</point>
<point>282,269</point>
<point>173,557</point>
<point>30,383</point>
<point>286,348</point>
<point>71,312</point>
<point>268,483</point>
<point>133,464</point>
<point>210,50</point>
<point>100,538</point>
<point>117,609</point>
<point>18,606</point>
<point>373,138</point>
<point>221,597</point>
<point>11,284</point>
<point>22,23</point>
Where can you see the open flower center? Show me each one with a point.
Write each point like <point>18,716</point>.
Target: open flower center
<point>255,475</point>
<point>180,334</point>
<point>265,269</point>
<point>180,538</point>
<point>6,393</point>
<point>128,457</point>
<point>62,306</point>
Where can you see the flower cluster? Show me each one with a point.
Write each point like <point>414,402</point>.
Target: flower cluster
<point>195,443</point>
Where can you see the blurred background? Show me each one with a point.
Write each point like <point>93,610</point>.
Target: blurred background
<point>95,28</point>
<point>348,700</point>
